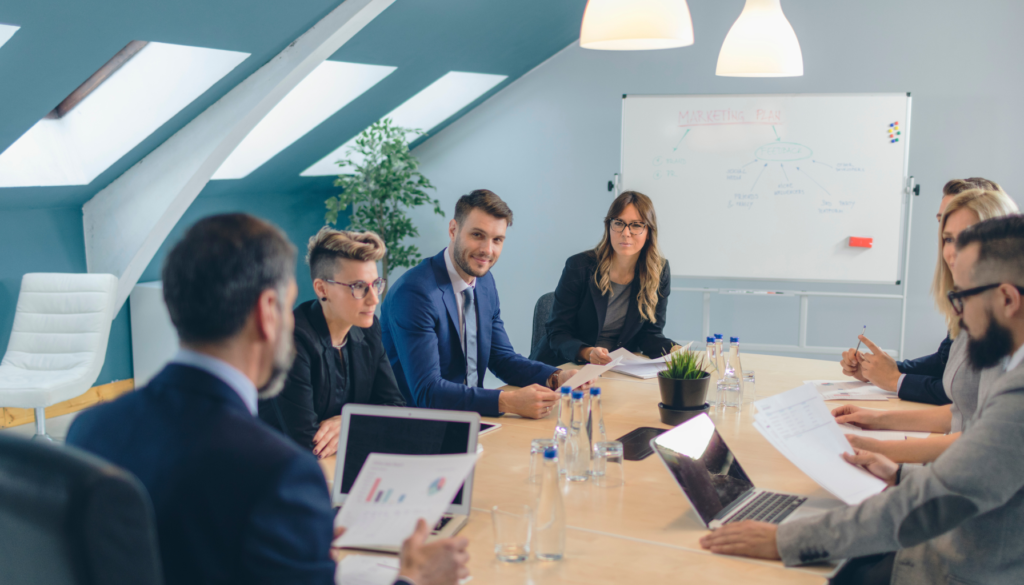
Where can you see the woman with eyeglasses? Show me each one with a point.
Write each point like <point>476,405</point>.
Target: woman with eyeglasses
<point>613,296</point>
<point>339,357</point>
<point>913,379</point>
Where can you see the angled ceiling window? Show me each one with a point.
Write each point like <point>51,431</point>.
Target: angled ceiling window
<point>329,88</point>
<point>6,32</point>
<point>427,109</point>
<point>135,93</point>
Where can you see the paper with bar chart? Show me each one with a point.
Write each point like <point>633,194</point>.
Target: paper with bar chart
<point>392,492</point>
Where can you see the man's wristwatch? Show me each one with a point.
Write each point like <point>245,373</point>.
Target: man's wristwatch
<point>553,380</point>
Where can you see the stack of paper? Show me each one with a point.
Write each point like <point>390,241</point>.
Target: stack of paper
<point>849,390</point>
<point>392,492</point>
<point>800,426</point>
<point>638,367</point>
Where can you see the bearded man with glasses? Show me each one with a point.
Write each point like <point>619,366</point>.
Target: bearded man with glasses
<point>339,356</point>
<point>958,519</point>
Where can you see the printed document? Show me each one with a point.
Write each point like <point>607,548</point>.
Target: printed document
<point>392,492</point>
<point>591,372</point>
<point>639,367</point>
<point>887,435</point>
<point>800,426</point>
<point>849,390</point>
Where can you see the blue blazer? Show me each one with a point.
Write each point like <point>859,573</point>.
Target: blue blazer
<point>420,325</point>
<point>923,381</point>
<point>235,501</point>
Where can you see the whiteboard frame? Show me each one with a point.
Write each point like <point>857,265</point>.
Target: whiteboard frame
<point>901,270</point>
<point>906,210</point>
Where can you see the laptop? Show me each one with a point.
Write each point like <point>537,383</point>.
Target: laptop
<point>715,484</point>
<point>369,429</point>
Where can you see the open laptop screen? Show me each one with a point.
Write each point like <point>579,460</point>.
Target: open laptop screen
<point>703,465</point>
<point>402,436</point>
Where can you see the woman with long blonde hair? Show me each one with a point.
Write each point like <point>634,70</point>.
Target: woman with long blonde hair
<point>613,296</point>
<point>959,382</point>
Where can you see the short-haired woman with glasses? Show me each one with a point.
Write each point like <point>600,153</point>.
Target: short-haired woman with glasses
<point>339,356</point>
<point>958,382</point>
<point>613,296</point>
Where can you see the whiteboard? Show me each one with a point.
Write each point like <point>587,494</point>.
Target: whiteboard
<point>772,186</point>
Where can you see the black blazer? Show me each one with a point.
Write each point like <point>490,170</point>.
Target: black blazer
<point>923,381</point>
<point>577,316</point>
<point>234,501</point>
<point>317,370</point>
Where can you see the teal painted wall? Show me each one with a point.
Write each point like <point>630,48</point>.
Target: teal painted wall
<point>51,240</point>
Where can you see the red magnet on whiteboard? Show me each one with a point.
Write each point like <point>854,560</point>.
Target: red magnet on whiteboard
<point>860,242</point>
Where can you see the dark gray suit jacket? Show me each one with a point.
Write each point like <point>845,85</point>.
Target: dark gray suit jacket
<point>957,520</point>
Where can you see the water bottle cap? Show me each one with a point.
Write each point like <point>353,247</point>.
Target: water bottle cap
<point>711,339</point>
<point>718,335</point>
<point>550,452</point>
<point>566,389</point>
<point>734,340</point>
<point>577,393</point>
<point>595,391</point>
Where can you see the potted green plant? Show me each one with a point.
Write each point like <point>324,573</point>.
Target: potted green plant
<point>381,180</point>
<point>684,381</point>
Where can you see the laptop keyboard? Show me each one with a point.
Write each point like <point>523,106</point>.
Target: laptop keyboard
<point>768,507</point>
<point>442,523</point>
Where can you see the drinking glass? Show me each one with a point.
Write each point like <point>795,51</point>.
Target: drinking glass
<point>749,390</point>
<point>728,393</point>
<point>513,524</point>
<point>608,459</point>
<point>537,447</point>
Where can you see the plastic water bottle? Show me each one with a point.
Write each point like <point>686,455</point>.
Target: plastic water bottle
<point>730,385</point>
<point>562,426</point>
<point>719,356</point>
<point>710,361</point>
<point>578,453</point>
<point>549,525</point>
<point>595,429</point>
<point>737,367</point>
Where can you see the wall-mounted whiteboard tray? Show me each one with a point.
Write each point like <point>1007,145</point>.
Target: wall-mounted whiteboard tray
<point>773,186</point>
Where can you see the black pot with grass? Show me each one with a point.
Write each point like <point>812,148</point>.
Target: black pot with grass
<point>684,387</point>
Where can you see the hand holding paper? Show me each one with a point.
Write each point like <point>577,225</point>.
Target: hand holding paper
<point>392,492</point>
<point>800,426</point>
<point>590,372</point>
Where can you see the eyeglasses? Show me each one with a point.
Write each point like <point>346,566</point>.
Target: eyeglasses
<point>956,297</point>
<point>636,228</point>
<point>360,288</point>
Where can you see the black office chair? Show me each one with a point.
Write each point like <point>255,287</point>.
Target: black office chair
<point>69,518</point>
<point>541,313</point>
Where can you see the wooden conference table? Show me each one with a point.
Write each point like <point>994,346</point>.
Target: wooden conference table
<point>645,531</point>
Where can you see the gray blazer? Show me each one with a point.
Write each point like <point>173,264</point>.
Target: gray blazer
<point>958,520</point>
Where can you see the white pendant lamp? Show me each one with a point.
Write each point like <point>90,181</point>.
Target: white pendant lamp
<point>636,25</point>
<point>761,43</point>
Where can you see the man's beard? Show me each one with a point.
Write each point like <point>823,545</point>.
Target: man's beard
<point>461,258</point>
<point>284,355</point>
<point>994,346</point>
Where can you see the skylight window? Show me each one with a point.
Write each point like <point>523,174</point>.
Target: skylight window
<point>142,94</point>
<point>6,32</point>
<point>329,88</point>
<point>425,110</point>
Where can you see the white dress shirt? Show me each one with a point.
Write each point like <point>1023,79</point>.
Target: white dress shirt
<point>223,371</point>
<point>459,286</point>
<point>1015,359</point>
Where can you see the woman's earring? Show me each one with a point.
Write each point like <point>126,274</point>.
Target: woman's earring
<point>323,298</point>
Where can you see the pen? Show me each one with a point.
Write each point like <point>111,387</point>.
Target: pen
<point>858,340</point>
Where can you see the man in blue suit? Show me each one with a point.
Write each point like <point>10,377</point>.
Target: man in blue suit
<point>442,326</point>
<point>234,500</point>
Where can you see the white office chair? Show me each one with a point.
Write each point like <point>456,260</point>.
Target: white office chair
<point>58,342</point>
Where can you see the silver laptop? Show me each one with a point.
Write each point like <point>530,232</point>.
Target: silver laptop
<point>369,429</point>
<point>715,484</point>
